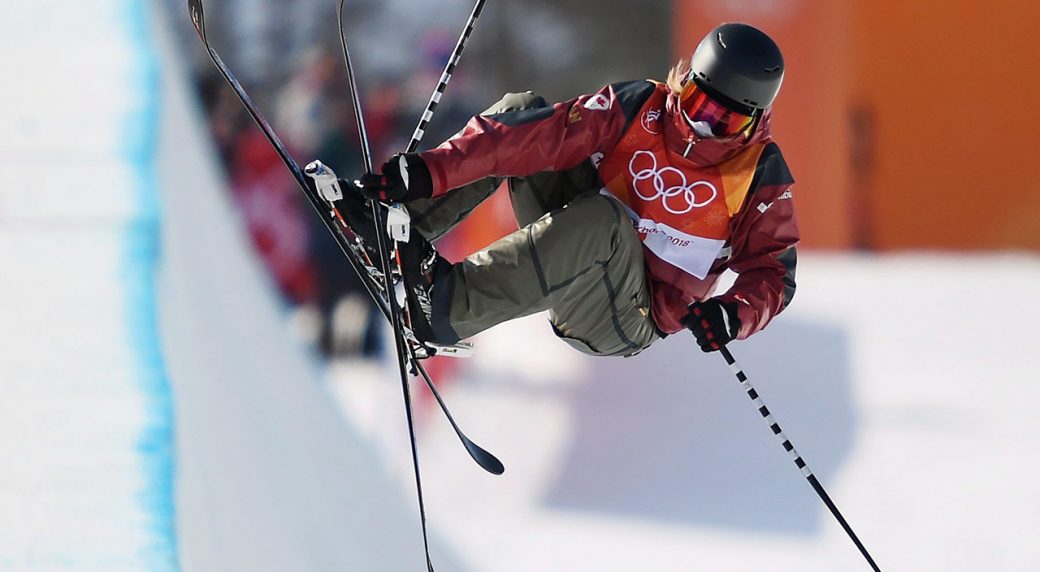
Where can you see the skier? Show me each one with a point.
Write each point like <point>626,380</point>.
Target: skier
<point>631,202</point>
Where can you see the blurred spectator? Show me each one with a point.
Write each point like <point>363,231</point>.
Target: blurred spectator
<point>301,107</point>
<point>350,322</point>
<point>270,204</point>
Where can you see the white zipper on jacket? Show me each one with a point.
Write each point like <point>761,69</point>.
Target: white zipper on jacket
<point>700,129</point>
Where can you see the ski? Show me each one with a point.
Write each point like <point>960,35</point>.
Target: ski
<point>347,240</point>
<point>385,253</point>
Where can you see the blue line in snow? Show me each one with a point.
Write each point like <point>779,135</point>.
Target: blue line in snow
<point>155,444</point>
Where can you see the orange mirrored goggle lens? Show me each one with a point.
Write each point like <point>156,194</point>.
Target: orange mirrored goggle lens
<point>698,106</point>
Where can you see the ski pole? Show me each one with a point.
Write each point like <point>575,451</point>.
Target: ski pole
<point>739,373</point>
<point>456,55</point>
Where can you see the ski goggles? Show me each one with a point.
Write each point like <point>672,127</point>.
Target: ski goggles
<point>698,106</point>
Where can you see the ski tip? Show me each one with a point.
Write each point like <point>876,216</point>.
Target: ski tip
<point>198,18</point>
<point>486,460</point>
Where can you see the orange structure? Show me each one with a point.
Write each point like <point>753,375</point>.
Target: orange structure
<point>951,90</point>
<point>811,110</point>
<point>906,124</point>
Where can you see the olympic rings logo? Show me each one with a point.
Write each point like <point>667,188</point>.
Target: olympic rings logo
<point>669,184</point>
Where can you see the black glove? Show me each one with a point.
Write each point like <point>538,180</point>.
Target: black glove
<point>713,322</point>
<point>405,177</point>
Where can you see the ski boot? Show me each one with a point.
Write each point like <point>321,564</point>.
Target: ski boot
<point>415,265</point>
<point>421,267</point>
<point>353,213</point>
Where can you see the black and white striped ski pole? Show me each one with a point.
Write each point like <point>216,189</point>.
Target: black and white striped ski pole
<point>739,373</point>
<point>453,61</point>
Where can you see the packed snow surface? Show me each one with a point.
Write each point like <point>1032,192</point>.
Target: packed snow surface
<point>907,382</point>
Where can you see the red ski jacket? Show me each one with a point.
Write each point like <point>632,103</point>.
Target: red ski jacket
<point>700,205</point>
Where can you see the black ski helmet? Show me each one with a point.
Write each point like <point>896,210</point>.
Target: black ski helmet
<point>740,66</point>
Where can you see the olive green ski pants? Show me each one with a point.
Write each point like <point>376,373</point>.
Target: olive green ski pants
<point>575,254</point>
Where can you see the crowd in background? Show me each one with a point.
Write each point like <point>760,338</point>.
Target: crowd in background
<point>288,57</point>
